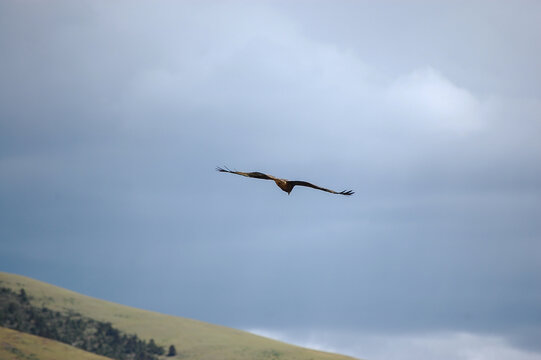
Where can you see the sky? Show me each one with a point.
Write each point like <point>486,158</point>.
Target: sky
<point>114,115</point>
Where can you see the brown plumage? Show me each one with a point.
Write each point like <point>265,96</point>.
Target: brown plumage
<point>284,184</point>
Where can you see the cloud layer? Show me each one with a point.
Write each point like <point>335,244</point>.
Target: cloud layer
<point>113,117</point>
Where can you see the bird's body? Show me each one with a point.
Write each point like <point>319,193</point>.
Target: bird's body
<point>284,184</point>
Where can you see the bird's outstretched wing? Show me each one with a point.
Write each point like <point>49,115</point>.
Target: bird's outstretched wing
<point>255,174</point>
<point>304,183</point>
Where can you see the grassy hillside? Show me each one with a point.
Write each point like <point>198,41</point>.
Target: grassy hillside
<point>15,345</point>
<point>192,339</point>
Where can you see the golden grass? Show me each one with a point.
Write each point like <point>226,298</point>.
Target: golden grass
<point>192,339</point>
<point>15,345</point>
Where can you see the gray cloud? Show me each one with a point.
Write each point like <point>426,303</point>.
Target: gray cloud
<point>114,116</point>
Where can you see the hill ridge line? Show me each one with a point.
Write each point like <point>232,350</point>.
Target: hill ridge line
<point>192,338</point>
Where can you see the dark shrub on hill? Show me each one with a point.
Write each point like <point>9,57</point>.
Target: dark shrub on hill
<point>155,349</point>
<point>172,351</point>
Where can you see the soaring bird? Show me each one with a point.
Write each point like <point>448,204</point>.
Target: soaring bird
<point>284,184</point>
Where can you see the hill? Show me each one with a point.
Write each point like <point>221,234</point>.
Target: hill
<point>192,339</point>
<point>15,345</point>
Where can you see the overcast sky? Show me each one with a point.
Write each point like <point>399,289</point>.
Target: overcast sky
<point>114,115</point>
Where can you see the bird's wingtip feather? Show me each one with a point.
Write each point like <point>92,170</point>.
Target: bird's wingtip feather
<point>222,169</point>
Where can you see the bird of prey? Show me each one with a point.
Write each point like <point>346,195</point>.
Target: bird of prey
<point>284,184</point>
